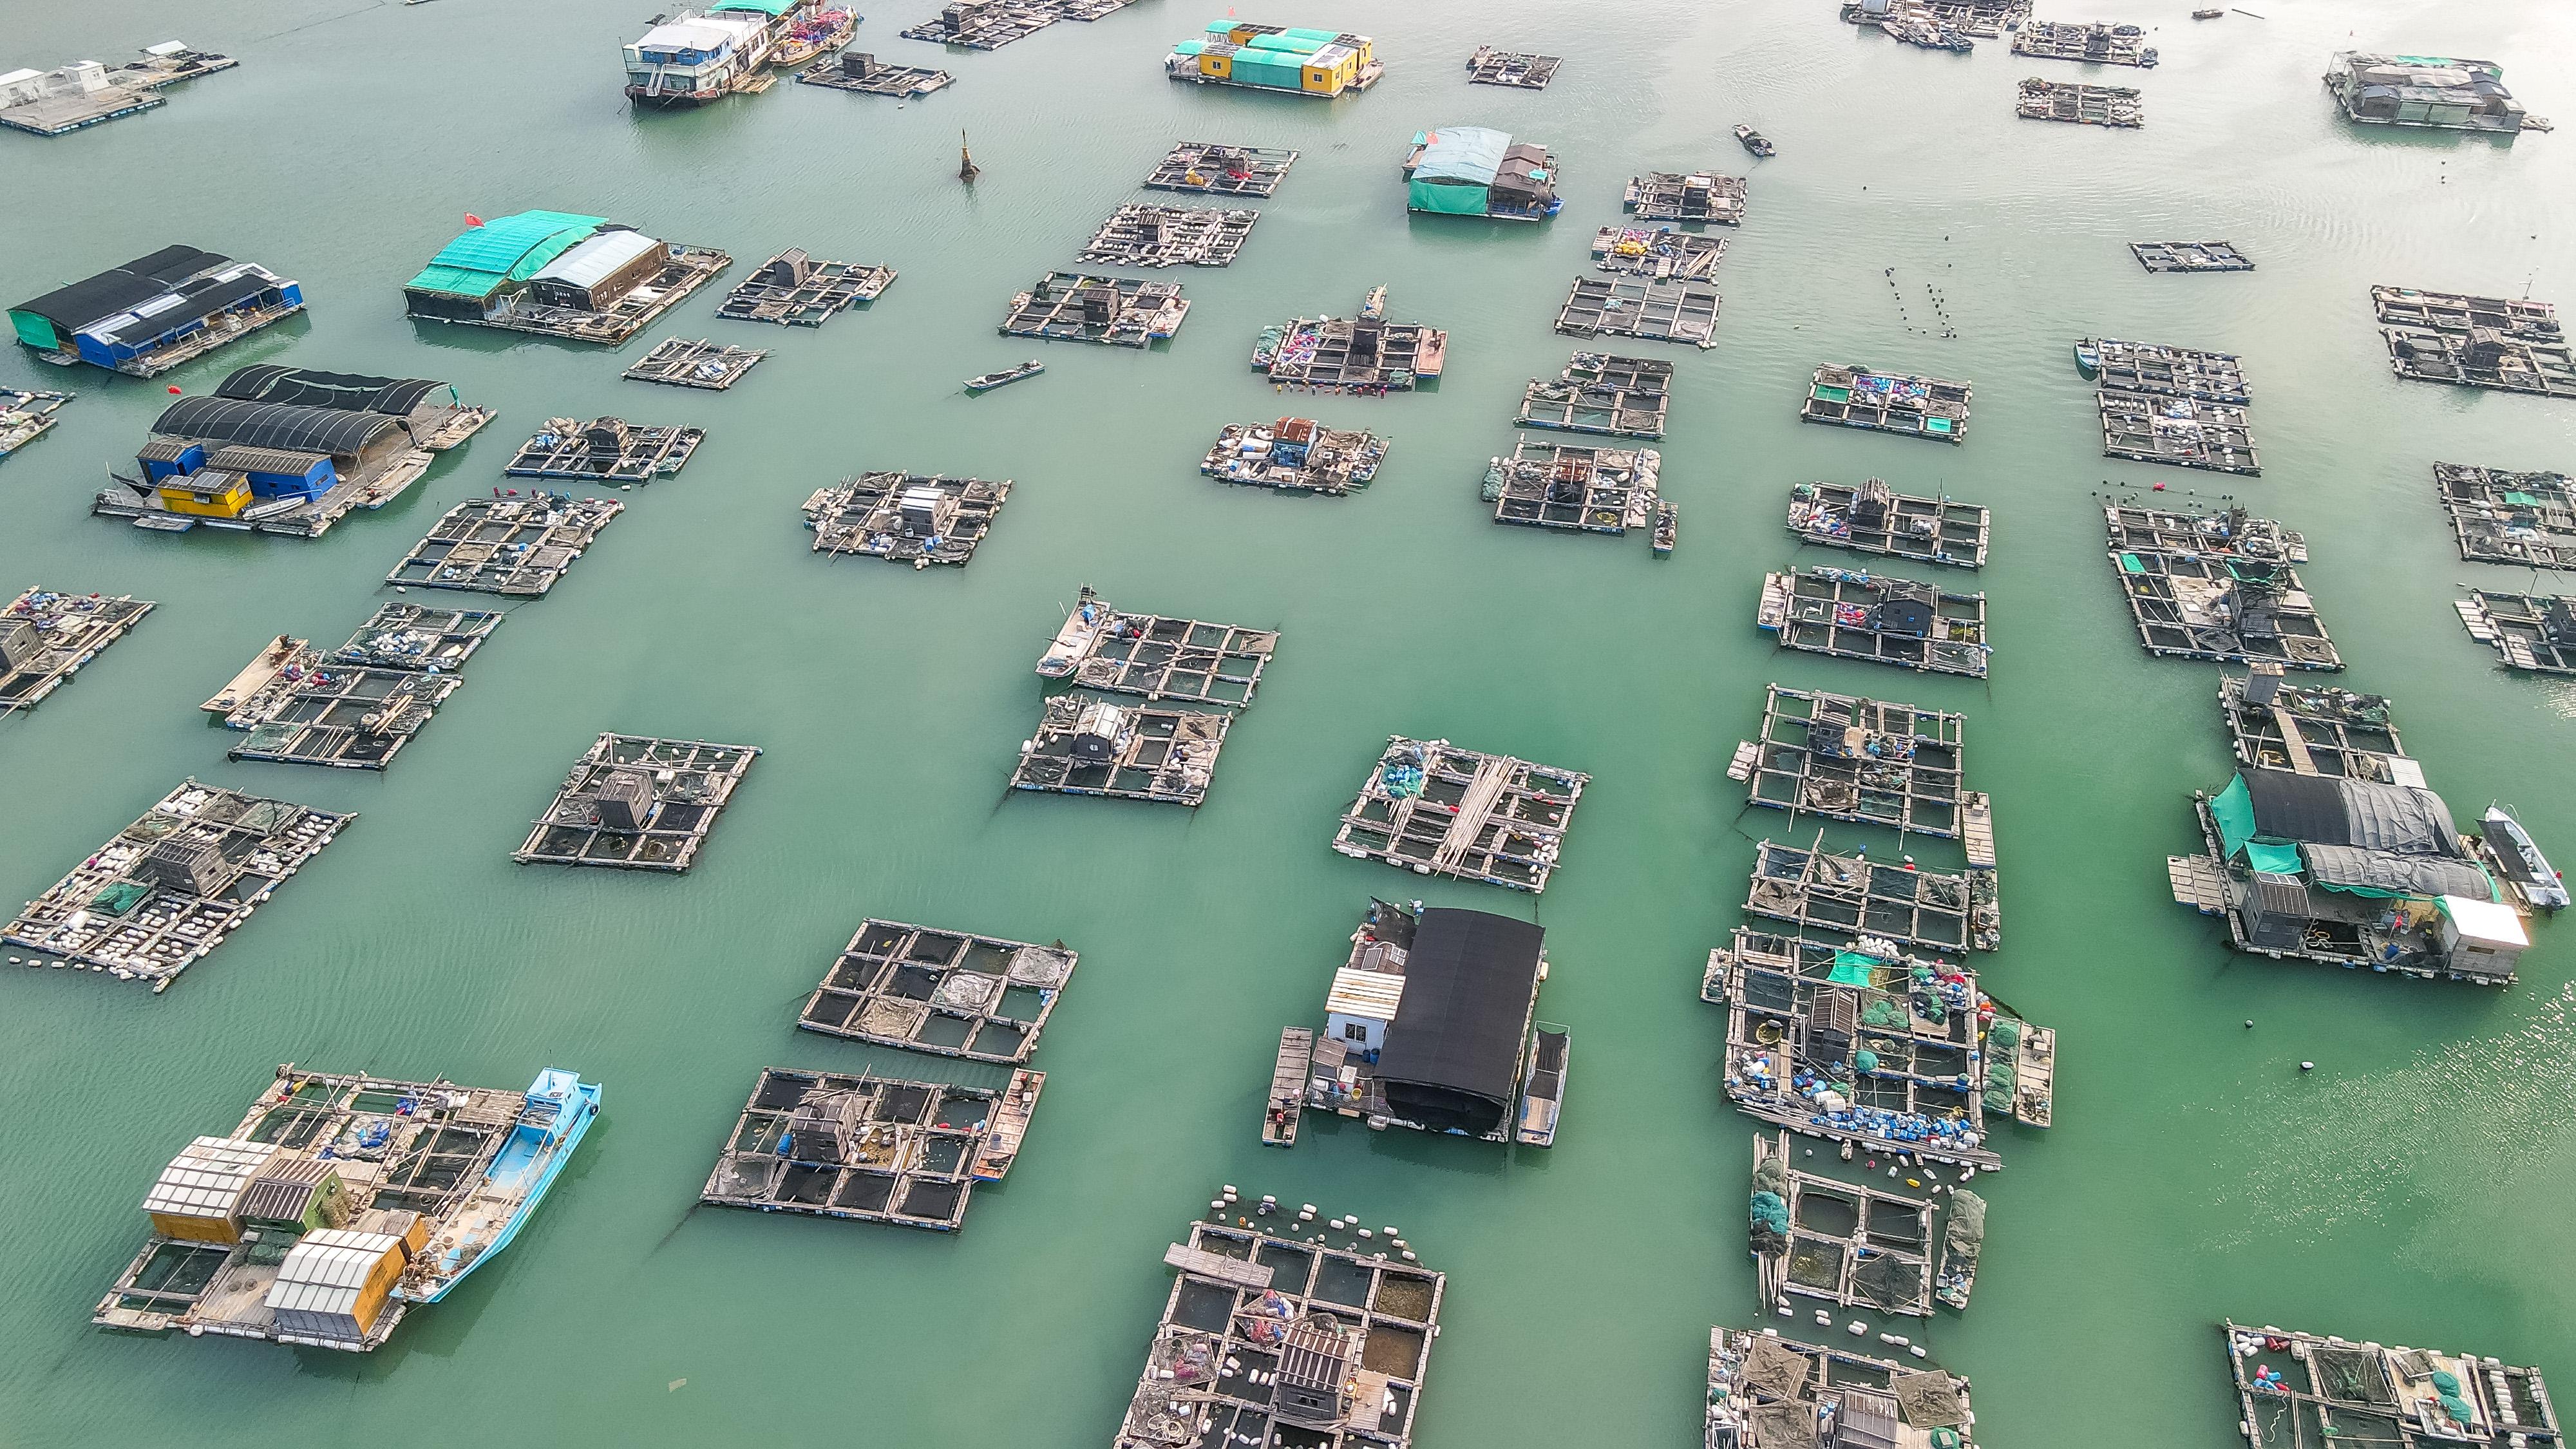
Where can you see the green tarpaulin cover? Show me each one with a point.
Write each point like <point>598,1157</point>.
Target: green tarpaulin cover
<point>2131,564</point>
<point>2233,809</point>
<point>1851,969</point>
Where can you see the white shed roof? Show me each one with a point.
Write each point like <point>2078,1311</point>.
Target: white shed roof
<point>324,1271</point>
<point>208,1179</point>
<point>589,264</point>
<point>1370,994</point>
<point>2485,920</point>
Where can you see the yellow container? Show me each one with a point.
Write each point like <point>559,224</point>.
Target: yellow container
<point>1220,66</point>
<point>195,1229</point>
<point>228,503</point>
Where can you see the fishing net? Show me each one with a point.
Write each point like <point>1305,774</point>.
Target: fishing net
<point>1040,966</point>
<point>1966,1231</point>
<point>1775,1370</point>
<point>966,990</point>
<point>1889,1281</point>
<point>2353,1375</point>
<point>1929,1399</point>
<point>1790,1425</point>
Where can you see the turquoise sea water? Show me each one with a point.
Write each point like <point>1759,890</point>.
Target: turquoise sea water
<point>2414,1188</point>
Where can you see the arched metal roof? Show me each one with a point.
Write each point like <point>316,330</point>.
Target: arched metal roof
<point>274,425</point>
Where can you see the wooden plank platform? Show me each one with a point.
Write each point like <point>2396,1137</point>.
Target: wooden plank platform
<point>1110,311</point>
<point>1641,307</point>
<point>915,518</point>
<point>859,71</point>
<point>26,415</point>
<point>604,450</point>
<point>2535,633</point>
<point>1287,1102</point>
<point>2081,105</point>
<point>1211,168</point>
<point>1599,392</point>
<point>1432,808</point>
<point>859,1148</point>
<point>1189,660</point>
<point>1579,489</point>
<point>1141,235</point>
<point>1087,746</point>
<point>1868,761</point>
<point>678,362</point>
<point>1491,67</point>
<point>636,802</point>
<point>1856,397</point>
<point>1875,617</point>
<point>2504,517</point>
<point>1296,455</point>
<point>1686,196</point>
<point>2492,342</point>
<point>1662,253</point>
<point>513,546</point>
<point>795,290</point>
<point>2209,256</point>
<point>46,636</point>
<point>1872,519</point>
<point>949,993</point>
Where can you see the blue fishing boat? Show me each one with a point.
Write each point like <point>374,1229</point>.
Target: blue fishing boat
<point>556,1112</point>
<point>2088,358</point>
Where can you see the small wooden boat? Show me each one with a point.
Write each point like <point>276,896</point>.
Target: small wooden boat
<point>2207,14</point>
<point>1543,1089</point>
<point>1008,375</point>
<point>1374,309</point>
<point>2088,358</point>
<point>812,35</point>
<point>1963,1239</point>
<point>1667,523</point>
<point>1754,141</point>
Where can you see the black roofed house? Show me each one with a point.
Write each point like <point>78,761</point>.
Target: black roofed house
<point>155,312</point>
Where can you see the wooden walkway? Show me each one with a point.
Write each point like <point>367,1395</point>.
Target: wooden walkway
<point>1288,1087</point>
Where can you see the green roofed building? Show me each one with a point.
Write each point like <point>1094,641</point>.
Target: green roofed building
<point>1476,171</point>
<point>478,273</point>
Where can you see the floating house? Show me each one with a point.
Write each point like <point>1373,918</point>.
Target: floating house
<point>1476,171</point>
<point>1433,1025</point>
<point>86,93</point>
<point>2426,90</point>
<point>692,57</point>
<point>560,275</point>
<point>2407,1398</point>
<point>340,1203</point>
<point>1268,57</point>
<point>155,312</point>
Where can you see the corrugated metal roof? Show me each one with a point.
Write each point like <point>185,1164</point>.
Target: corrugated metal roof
<point>333,431</point>
<point>507,247</point>
<point>1462,153</point>
<point>324,1271</point>
<point>1372,994</point>
<point>591,263</point>
<point>207,1179</point>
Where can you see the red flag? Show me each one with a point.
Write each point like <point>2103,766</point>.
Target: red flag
<point>472,220</point>
<point>174,392</point>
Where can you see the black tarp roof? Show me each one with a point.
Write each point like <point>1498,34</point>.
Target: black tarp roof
<point>356,392</point>
<point>2329,810</point>
<point>1457,1033</point>
<point>273,425</point>
<point>94,299</point>
<point>2378,870</point>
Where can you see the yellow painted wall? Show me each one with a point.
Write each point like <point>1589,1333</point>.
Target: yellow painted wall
<point>1216,65</point>
<point>227,504</point>
<point>378,1287</point>
<point>196,1230</point>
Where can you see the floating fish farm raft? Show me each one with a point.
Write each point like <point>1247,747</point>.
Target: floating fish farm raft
<point>1855,397</point>
<point>558,275</point>
<point>604,450</point>
<point>637,803</point>
<point>1111,311</point>
<point>1696,196</point>
<point>2041,100</point>
<point>1847,1243</point>
<point>1139,234</point>
<point>155,312</point>
<point>1859,615</point>
<point>1598,393</point>
<point>59,102</point>
<point>1274,1335</point>
<point>1816,889</point>
<point>2512,346</point>
<point>1087,746</point>
<point>870,1149</point>
<point>1662,253</point>
<point>2217,587</point>
<point>173,885</point>
<point>1188,660</point>
<point>2534,632</point>
<point>1839,757</point>
<point>1802,1016</point>
<point>1871,519</point>
<point>678,362</point>
<point>515,546</point>
<point>46,637</point>
<point>992,24</point>
<point>2209,256</point>
<point>2099,43</point>
<point>1295,455</point>
<point>1364,355</point>
<point>944,992</point>
<point>2509,518</point>
<point>1915,23</point>
<point>2426,90</point>
<point>356,706</point>
<point>796,290</point>
<point>2167,371</point>
<point>1641,307</point>
<point>2291,1384</point>
<point>342,1202</point>
<point>1985,19</point>
<point>1432,808</point>
<point>856,70</point>
<point>1764,1390</point>
<point>2180,432</point>
<point>2310,729</point>
<point>26,416</point>
<point>1559,485</point>
<point>1210,168</point>
<point>914,518</point>
<point>1491,67</point>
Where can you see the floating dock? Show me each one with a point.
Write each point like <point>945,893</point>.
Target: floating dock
<point>1124,752</point>
<point>1872,519</point>
<point>1491,67</point>
<point>1365,355</point>
<point>1295,455</point>
<point>1212,169</point>
<point>356,706</point>
<point>604,450</point>
<point>341,1203</point>
<point>916,518</point>
<point>2491,342</point>
<point>1765,1390</point>
<point>2532,632</point>
<point>1287,1102</point>
<point>859,71</point>
<point>2288,1382</point>
<point>26,416</point>
<point>678,362</point>
<point>1850,895</point>
<point>518,546</point>
<point>1916,23</point>
<point>1642,307</point>
<point>945,992</point>
<point>2313,729</point>
<point>2041,100</point>
<point>174,885</point>
<point>58,102</point>
<point>870,1149</point>
<point>1142,235</point>
<point>2503,517</point>
<point>2218,587</point>
<point>1867,761</point>
<point>1847,1243</point>
<point>554,274</point>
<point>1801,1015</point>
<point>1854,614</point>
<point>795,290</point>
<point>45,638</point>
<point>1111,311</point>
<point>1588,490</point>
<point>1663,253</point>
<point>1686,197</point>
<point>2099,43</point>
<point>1625,397</point>
<point>2208,256</point>
<point>637,803</point>
<point>992,24</point>
<point>2179,432</point>
<point>1189,660</point>
<point>1432,808</point>
<point>1886,402</point>
<point>2144,367</point>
